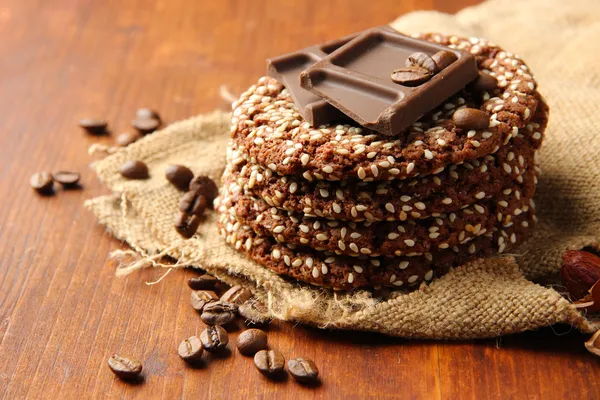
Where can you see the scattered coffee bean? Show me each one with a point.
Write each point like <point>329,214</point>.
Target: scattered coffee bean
<point>236,295</point>
<point>484,83</point>
<point>412,76</point>
<point>94,126</point>
<point>422,60</point>
<point>218,313</point>
<point>126,138</point>
<point>179,176</point>
<point>145,126</point>
<point>205,186</point>
<point>250,341</point>
<point>443,58</point>
<point>193,202</point>
<point>214,338</point>
<point>470,118</point>
<point>187,225</point>
<point>42,183</point>
<point>190,349</point>
<point>124,368</point>
<point>67,178</point>
<point>147,113</point>
<point>269,362</point>
<point>253,311</point>
<point>200,298</point>
<point>303,369</point>
<point>134,169</point>
<point>202,282</point>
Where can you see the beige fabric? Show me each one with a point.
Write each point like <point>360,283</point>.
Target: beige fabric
<point>558,40</point>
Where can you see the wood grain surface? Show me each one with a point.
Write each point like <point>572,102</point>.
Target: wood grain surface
<point>62,310</point>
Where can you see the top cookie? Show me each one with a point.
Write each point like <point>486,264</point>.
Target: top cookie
<point>268,130</point>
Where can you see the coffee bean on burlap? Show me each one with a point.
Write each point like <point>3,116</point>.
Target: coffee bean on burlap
<point>94,126</point>
<point>202,282</point>
<point>145,126</point>
<point>179,175</point>
<point>193,202</point>
<point>147,113</point>
<point>443,58</point>
<point>214,338</point>
<point>303,369</point>
<point>42,182</point>
<point>67,179</point>
<point>218,313</point>
<point>470,118</point>
<point>250,341</point>
<point>237,295</point>
<point>190,349</point>
<point>484,83</point>
<point>269,362</point>
<point>126,138</point>
<point>125,368</point>
<point>205,186</point>
<point>134,169</point>
<point>421,60</point>
<point>411,76</point>
<point>186,225</point>
<point>200,298</point>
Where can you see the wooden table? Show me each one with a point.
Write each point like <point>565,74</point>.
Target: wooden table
<point>63,312</point>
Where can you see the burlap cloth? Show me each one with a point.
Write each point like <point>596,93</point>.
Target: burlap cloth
<point>559,41</point>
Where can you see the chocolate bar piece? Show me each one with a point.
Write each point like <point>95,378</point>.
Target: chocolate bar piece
<point>286,69</point>
<point>373,81</point>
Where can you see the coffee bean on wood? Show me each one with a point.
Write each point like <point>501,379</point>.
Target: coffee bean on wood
<point>180,176</point>
<point>134,169</point>
<point>470,118</point>
<point>126,138</point>
<point>202,282</point>
<point>205,186</point>
<point>422,60</point>
<point>187,225</point>
<point>145,126</point>
<point>410,76</point>
<point>237,295</point>
<point>200,298</point>
<point>269,362</point>
<point>443,58</point>
<point>250,341</point>
<point>214,338</point>
<point>93,126</point>
<point>218,313</point>
<point>67,178</point>
<point>125,368</point>
<point>147,113</point>
<point>303,369</point>
<point>190,349</point>
<point>42,183</point>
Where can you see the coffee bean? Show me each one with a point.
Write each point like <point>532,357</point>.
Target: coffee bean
<point>200,298</point>
<point>193,202</point>
<point>42,183</point>
<point>412,76</point>
<point>179,176</point>
<point>303,369</point>
<point>205,186</point>
<point>422,60</point>
<point>134,169</point>
<point>147,113</point>
<point>187,225</point>
<point>124,368</point>
<point>94,126</point>
<point>126,138</point>
<point>269,362</point>
<point>202,282</point>
<point>190,349</point>
<point>250,341</point>
<point>214,338</point>
<point>484,83</point>
<point>470,118</point>
<point>67,178</point>
<point>145,126</point>
<point>236,295</point>
<point>218,313</point>
<point>443,58</point>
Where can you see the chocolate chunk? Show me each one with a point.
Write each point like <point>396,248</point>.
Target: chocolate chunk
<point>443,58</point>
<point>186,225</point>
<point>179,175</point>
<point>422,60</point>
<point>67,179</point>
<point>93,126</point>
<point>134,169</point>
<point>126,138</point>
<point>356,79</point>
<point>484,83</point>
<point>470,118</point>
<point>42,183</point>
<point>411,76</point>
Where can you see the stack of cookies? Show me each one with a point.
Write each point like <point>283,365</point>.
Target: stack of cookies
<point>344,207</point>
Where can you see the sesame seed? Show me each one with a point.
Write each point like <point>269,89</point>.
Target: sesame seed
<point>503,203</point>
<point>371,154</point>
<point>323,193</point>
<point>374,170</point>
<point>321,237</point>
<point>471,133</point>
<point>361,173</point>
<point>475,143</point>
<point>447,200</point>
<point>507,168</point>
<point>304,159</point>
<point>413,278</point>
<point>479,208</point>
<point>358,269</point>
<point>390,207</point>
<point>353,247</point>
<point>410,167</point>
<point>304,228</point>
<point>420,206</point>
<point>429,275</point>
<point>341,245</point>
<point>405,198</point>
<point>403,264</point>
<point>398,283</point>
<point>276,254</point>
<point>327,169</point>
<point>337,208</point>
<point>315,272</point>
<point>428,155</point>
<point>409,242</point>
<point>434,235</point>
<point>278,229</point>
<point>350,277</point>
<point>393,235</point>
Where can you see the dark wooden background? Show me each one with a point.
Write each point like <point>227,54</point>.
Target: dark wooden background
<point>63,312</point>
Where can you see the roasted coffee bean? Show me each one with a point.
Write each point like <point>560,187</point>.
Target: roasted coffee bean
<point>206,186</point>
<point>303,369</point>
<point>250,341</point>
<point>145,126</point>
<point>125,368</point>
<point>200,298</point>
<point>218,313</point>
<point>422,60</point>
<point>484,83</point>
<point>186,225</point>
<point>93,126</point>
<point>190,349</point>
<point>67,178</point>
<point>236,295</point>
<point>470,118</point>
<point>134,169</point>
<point>193,202</point>
<point>253,311</point>
<point>179,176</point>
<point>42,183</point>
<point>147,113</point>
<point>412,76</point>
<point>202,282</point>
<point>214,338</point>
<point>126,138</point>
<point>269,362</point>
<point>443,58</point>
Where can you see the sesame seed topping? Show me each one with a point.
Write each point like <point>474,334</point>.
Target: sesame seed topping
<point>403,265</point>
<point>409,242</point>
